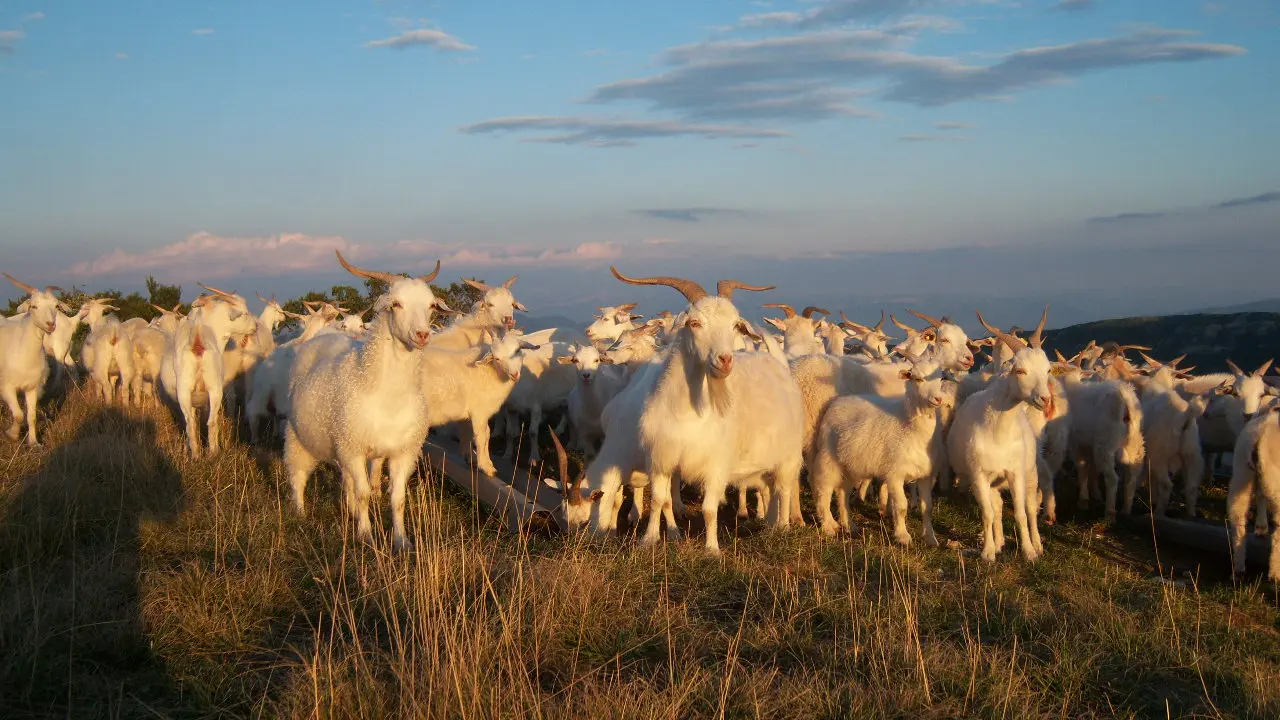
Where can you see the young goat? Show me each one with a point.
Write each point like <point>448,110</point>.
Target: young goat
<point>863,437</point>
<point>799,332</point>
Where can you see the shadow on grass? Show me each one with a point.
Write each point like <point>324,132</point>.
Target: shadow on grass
<point>70,543</point>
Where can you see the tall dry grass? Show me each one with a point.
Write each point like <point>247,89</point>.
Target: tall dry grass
<point>137,583</point>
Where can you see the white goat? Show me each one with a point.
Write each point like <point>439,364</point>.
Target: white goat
<point>495,311</point>
<point>1232,404</point>
<point>191,371</point>
<point>597,384</point>
<point>23,367</point>
<point>993,445</point>
<point>611,323</point>
<point>355,402</point>
<point>1172,435</point>
<point>1255,469</point>
<point>709,409</point>
<point>108,355</point>
<point>863,437</point>
<point>799,332</point>
<point>872,338</point>
<point>269,384</point>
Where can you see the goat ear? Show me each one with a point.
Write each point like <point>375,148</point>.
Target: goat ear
<point>596,495</point>
<point>745,328</point>
<point>566,359</point>
<point>519,306</point>
<point>487,357</point>
<point>776,323</point>
<point>529,346</point>
<point>904,374</point>
<point>442,306</point>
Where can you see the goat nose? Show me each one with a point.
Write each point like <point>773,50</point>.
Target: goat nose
<point>422,336</point>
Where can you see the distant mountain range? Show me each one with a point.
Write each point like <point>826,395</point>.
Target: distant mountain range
<point>1267,306</point>
<point>1208,339</point>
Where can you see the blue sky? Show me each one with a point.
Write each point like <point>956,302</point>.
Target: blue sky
<point>241,142</point>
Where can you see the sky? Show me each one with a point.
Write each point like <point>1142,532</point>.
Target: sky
<point>1112,157</point>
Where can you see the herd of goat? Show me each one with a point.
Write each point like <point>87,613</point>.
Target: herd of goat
<point>703,397</point>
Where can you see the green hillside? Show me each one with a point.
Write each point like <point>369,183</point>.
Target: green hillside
<point>1249,339</point>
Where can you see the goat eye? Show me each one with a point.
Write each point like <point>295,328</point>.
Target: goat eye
<point>694,324</point>
<point>1019,371</point>
<point>944,341</point>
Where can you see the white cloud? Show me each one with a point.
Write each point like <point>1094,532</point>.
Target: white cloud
<point>32,17</point>
<point>9,39</point>
<point>430,38</point>
<point>952,125</point>
<point>122,56</point>
<point>612,132</point>
<point>206,255</point>
<point>202,31</point>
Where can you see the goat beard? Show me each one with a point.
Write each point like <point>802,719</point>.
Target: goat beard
<point>719,393</point>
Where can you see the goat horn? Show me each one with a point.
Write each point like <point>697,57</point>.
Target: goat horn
<point>53,289</point>
<point>846,322</point>
<point>1126,348</point>
<point>879,327</point>
<point>1061,359</point>
<point>264,300</point>
<point>628,307</point>
<point>372,274</point>
<point>212,289</point>
<point>510,281</point>
<point>933,322</point>
<point>691,290</point>
<point>809,311</point>
<point>1037,337</point>
<point>482,287</point>
<point>790,311</point>
<point>664,314</point>
<point>157,307</point>
<point>725,288</point>
<point>431,275</point>
<point>1235,369</point>
<point>1262,369</point>
<point>1013,343</point>
<point>903,326</point>
<point>22,285</point>
<point>562,459</point>
<point>1150,361</point>
<point>1174,362</point>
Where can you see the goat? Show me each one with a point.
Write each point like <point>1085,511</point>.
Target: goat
<point>611,323</point>
<point>1255,469</point>
<point>269,384</point>
<point>108,355</point>
<point>355,402</point>
<point>993,445</point>
<point>23,367</point>
<point>709,409</point>
<point>799,332</point>
<point>863,437</point>
<point>495,311</point>
<point>191,370</point>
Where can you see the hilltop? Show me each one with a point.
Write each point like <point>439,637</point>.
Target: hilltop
<point>1209,340</point>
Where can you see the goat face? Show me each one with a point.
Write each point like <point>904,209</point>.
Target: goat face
<point>507,355</point>
<point>407,309</point>
<point>42,308</point>
<point>1029,371</point>
<point>499,306</point>
<point>951,347</point>
<point>631,343</point>
<point>588,361</point>
<point>272,315</point>
<point>708,333</point>
<point>609,324</point>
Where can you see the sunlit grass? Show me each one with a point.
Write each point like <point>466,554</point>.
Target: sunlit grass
<point>136,583</point>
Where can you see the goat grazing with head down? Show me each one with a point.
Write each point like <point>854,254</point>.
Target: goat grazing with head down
<point>354,402</point>
<point>992,444</point>
<point>714,416</point>
<point>23,367</point>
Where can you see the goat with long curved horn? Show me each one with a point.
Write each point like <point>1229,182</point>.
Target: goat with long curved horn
<point>933,322</point>
<point>901,325</point>
<point>879,327</point>
<point>481,286</point>
<point>691,290</point>
<point>1013,343</point>
<point>787,309</point>
<point>846,322</point>
<point>216,291</point>
<point>24,286</point>
<point>725,288</point>
<point>809,311</point>
<point>1037,337</point>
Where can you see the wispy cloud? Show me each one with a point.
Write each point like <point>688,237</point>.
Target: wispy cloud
<point>1263,199</point>
<point>32,17</point>
<point>841,12</point>
<point>122,56</point>
<point>202,31</point>
<point>207,256</point>
<point>1074,5</point>
<point>1255,200</point>
<point>9,40</point>
<point>612,132</point>
<point>595,52</point>
<point>952,125</point>
<point>916,138</point>
<point>693,214</point>
<point>436,39</point>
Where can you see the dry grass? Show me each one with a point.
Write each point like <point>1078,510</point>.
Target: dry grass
<point>134,583</point>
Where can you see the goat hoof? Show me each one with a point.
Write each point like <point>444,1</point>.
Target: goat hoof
<point>489,470</point>
<point>903,539</point>
<point>830,530</point>
<point>402,545</point>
